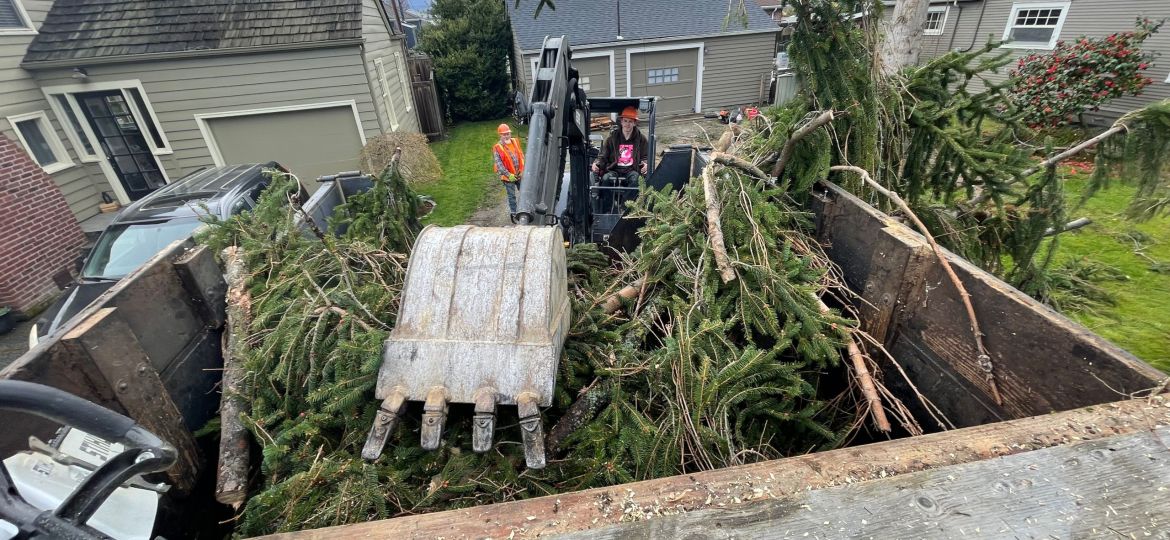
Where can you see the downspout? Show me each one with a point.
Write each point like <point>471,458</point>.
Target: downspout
<point>978,23</point>
<point>955,25</point>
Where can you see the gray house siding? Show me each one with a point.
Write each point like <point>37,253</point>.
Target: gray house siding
<point>392,96</point>
<point>181,88</point>
<point>970,24</point>
<point>20,95</point>
<point>732,66</point>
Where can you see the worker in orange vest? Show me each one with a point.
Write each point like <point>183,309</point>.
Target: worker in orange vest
<point>509,163</point>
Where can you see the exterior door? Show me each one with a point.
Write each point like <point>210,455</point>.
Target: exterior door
<point>123,142</point>
<point>672,75</point>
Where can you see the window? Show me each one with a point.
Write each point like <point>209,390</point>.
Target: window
<point>662,75</point>
<point>133,105</point>
<point>583,83</point>
<point>76,133</point>
<point>936,21</point>
<point>14,19</point>
<point>40,140</point>
<point>1035,26</point>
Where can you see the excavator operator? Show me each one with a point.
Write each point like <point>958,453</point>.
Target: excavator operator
<point>623,156</point>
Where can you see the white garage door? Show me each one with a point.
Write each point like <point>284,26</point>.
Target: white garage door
<point>310,142</point>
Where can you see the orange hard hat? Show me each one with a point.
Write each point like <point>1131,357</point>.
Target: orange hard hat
<point>629,112</point>
<point>503,129</point>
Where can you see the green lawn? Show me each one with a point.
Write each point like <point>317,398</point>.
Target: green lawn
<point>468,182</point>
<point>1140,322</point>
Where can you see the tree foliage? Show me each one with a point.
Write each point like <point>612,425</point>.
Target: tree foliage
<point>470,44</point>
<point>1082,75</point>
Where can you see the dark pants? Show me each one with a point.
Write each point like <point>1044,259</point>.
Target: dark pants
<point>611,201</point>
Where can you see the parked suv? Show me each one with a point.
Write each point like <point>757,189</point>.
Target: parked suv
<point>149,225</point>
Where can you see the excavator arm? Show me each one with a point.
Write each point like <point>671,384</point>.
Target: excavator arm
<point>558,120</point>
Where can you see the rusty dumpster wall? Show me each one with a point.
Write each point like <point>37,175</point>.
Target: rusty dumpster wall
<point>149,348</point>
<point>1043,362</point>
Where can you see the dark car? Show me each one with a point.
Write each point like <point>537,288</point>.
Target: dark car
<point>149,225</point>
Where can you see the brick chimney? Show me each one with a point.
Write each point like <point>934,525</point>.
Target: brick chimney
<point>39,236</point>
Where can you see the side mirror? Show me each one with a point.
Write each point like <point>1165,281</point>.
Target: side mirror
<point>521,109</point>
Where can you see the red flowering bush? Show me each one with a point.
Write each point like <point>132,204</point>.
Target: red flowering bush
<point>1081,75</point>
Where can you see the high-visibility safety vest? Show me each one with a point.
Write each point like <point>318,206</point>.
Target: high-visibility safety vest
<point>511,157</point>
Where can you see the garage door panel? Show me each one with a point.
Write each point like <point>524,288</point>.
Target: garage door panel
<point>309,142</point>
<point>671,75</point>
<point>594,75</point>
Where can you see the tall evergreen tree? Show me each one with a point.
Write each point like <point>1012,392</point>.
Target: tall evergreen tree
<point>469,45</point>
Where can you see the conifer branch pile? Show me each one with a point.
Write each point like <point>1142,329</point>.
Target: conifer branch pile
<point>697,373</point>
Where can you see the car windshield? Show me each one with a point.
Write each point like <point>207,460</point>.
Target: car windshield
<point>122,248</point>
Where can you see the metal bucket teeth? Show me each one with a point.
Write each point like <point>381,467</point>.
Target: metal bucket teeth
<point>484,316</point>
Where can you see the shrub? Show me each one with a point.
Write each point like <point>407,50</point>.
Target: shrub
<point>1082,75</point>
<point>419,164</point>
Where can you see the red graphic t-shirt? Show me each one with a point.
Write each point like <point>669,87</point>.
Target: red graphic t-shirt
<point>625,155</point>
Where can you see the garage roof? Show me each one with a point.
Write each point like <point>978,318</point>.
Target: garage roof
<point>87,29</point>
<point>588,22</point>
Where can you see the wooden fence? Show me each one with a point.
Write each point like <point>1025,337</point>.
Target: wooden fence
<point>426,97</point>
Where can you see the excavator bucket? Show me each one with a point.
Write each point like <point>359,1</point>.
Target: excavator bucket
<point>483,319</point>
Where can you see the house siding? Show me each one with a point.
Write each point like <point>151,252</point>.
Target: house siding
<point>391,50</point>
<point>21,95</point>
<point>732,67</point>
<point>1093,18</point>
<point>181,88</point>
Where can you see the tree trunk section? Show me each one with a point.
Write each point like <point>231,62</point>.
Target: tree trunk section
<point>903,40</point>
<point>231,485</point>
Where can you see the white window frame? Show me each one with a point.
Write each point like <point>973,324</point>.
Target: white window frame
<point>71,133</point>
<point>99,157</point>
<point>27,30</point>
<point>387,99</point>
<point>70,91</point>
<point>1017,7</point>
<point>407,90</point>
<point>942,25</point>
<point>51,137</point>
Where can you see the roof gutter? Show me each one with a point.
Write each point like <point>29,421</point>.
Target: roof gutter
<point>641,41</point>
<point>196,53</point>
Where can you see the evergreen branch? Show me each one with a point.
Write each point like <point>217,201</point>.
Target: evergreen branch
<point>786,154</point>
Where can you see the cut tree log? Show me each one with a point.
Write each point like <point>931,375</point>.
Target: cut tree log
<point>589,402</point>
<point>864,379</point>
<point>714,229</point>
<point>231,486</point>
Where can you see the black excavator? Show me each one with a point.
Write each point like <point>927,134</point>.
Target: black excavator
<point>485,310</point>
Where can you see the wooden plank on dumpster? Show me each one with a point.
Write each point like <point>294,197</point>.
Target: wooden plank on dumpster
<point>115,351</point>
<point>1114,487</point>
<point>203,280</point>
<point>733,487</point>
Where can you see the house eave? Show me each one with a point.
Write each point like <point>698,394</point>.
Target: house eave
<point>630,42</point>
<point>173,55</point>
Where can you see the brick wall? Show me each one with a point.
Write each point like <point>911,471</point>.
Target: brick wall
<point>39,236</point>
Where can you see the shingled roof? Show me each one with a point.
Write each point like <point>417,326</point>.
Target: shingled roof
<point>101,29</point>
<point>587,22</point>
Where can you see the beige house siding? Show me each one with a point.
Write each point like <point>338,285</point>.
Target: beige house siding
<point>181,88</point>
<point>732,66</point>
<point>966,29</point>
<point>392,97</point>
<point>19,94</point>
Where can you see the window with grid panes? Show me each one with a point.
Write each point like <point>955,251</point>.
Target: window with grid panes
<point>1036,25</point>
<point>936,21</point>
<point>662,75</point>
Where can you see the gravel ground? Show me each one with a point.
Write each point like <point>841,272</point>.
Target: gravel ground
<point>689,129</point>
